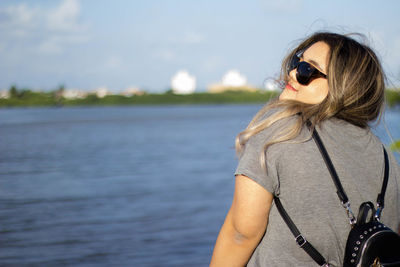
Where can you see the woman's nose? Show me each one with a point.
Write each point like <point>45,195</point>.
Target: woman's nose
<point>292,74</point>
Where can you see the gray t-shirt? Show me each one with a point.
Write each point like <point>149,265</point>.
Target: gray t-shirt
<point>297,173</point>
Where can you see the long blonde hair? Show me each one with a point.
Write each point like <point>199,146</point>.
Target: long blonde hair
<point>356,91</point>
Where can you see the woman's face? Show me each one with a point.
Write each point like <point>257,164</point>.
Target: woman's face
<point>316,91</point>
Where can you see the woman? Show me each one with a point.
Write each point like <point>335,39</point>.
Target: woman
<point>338,85</point>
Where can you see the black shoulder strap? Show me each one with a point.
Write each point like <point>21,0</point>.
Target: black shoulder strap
<point>300,239</point>
<point>340,191</point>
<point>380,202</point>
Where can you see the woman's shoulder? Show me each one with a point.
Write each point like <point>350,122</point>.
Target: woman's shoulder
<point>276,125</point>
<point>344,138</point>
<point>341,130</point>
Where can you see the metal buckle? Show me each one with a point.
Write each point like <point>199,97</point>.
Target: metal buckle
<point>378,213</point>
<point>301,240</point>
<point>350,214</point>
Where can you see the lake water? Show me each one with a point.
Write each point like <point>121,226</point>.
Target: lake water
<point>119,186</point>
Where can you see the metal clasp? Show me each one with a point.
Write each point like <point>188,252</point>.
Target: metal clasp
<point>301,240</point>
<point>378,212</point>
<point>350,214</point>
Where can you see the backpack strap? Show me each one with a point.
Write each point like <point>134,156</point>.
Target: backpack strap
<point>380,202</point>
<point>300,239</point>
<point>340,191</point>
<point>339,188</point>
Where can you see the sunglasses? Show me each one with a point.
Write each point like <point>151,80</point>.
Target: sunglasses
<point>305,72</point>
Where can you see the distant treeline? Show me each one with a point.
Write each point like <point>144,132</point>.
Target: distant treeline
<point>28,98</point>
<point>393,97</point>
<point>395,146</point>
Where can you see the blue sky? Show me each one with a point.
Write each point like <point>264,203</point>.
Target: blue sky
<point>86,44</point>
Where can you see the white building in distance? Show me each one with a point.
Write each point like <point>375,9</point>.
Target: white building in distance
<point>74,94</point>
<point>271,85</point>
<point>183,83</point>
<point>234,78</point>
<point>101,92</point>
<point>131,91</point>
<point>4,94</point>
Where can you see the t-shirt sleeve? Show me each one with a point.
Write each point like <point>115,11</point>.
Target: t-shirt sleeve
<point>396,170</point>
<point>250,165</point>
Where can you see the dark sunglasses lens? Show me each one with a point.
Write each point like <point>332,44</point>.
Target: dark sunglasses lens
<point>304,73</point>
<point>293,63</point>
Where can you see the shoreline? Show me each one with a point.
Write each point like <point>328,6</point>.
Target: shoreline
<point>29,98</point>
<point>34,99</point>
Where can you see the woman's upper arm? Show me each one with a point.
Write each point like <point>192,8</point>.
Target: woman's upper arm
<point>250,207</point>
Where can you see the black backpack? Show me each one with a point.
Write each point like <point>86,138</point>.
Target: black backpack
<point>370,242</point>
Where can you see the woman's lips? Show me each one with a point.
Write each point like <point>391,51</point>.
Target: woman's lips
<point>288,86</point>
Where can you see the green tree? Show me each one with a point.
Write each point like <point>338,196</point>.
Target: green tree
<point>58,95</point>
<point>169,92</point>
<point>14,91</point>
<point>395,146</point>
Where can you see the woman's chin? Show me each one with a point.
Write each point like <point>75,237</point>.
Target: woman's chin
<point>287,95</point>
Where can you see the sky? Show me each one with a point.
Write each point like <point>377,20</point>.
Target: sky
<point>87,44</point>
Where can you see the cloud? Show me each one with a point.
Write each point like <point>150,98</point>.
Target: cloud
<point>394,59</point>
<point>192,38</point>
<point>186,38</point>
<point>55,44</point>
<point>383,44</point>
<point>387,46</point>
<point>376,39</point>
<point>65,18</point>
<point>46,31</point>
<point>50,46</point>
<point>212,64</point>
<point>396,49</point>
<point>171,48</point>
<point>283,5</point>
<point>164,55</point>
<point>17,20</point>
<point>113,62</point>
